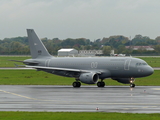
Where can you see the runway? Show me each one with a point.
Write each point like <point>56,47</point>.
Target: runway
<point>141,99</point>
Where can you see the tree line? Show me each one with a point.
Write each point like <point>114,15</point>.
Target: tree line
<point>19,45</point>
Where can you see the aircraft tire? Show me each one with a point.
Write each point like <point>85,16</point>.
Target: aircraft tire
<point>132,85</point>
<point>76,84</point>
<point>101,84</point>
<point>98,84</point>
<point>79,84</point>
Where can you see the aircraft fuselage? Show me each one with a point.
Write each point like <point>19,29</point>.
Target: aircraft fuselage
<point>108,66</point>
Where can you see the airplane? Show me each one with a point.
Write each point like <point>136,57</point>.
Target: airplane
<point>88,70</point>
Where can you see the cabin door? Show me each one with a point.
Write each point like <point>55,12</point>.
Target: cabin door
<point>127,64</point>
<point>47,63</point>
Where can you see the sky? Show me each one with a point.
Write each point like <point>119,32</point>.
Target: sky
<point>91,19</point>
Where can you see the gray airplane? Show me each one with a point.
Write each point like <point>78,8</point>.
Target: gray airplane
<point>86,69</point>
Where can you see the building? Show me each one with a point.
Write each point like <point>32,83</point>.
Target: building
<point>90,52</point>
<point>67,52</point>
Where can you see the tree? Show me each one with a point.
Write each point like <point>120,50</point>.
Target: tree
<point>157,48</point>
<point>106,50</point>
<point>121,49</point>
<point>158,39</point>
<point>140,40</point>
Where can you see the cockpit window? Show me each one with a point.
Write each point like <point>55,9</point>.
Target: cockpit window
<point>139,64</point>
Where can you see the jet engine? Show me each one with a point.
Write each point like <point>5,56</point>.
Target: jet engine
<point>89,78</point>
<point>124,80</point>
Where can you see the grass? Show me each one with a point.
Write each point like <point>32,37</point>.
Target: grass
<point>4,60</point>
<point>33,77</point>
<point>152,80</point>
<point>76,116</point>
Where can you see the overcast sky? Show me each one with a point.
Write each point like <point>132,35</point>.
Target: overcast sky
<point>91,19</point>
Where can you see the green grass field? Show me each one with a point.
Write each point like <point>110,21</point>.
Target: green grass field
<point>76,116</point>
<point>4,60</point>
<point>33,77</point>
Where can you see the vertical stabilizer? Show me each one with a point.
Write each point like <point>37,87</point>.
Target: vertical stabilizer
<point>37,48</point>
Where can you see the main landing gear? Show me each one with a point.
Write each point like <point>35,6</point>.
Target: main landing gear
<point>76,84</point>
<point>101,84</point>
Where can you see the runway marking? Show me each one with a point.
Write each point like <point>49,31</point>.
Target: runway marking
<point>18,95</point>
<point>23,96</point>
<point>156,88</point>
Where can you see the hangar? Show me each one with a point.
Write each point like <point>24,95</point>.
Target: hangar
<point>68,52</point>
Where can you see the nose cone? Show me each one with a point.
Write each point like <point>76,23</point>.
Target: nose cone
<point>149,71</point>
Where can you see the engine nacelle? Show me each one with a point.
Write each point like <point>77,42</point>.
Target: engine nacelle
<point>124,80</point>
<point>89,78</point>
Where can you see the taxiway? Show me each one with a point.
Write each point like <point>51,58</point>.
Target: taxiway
<point>141,99</point>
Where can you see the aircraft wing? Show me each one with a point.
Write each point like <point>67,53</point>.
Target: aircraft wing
<point>62,69</point>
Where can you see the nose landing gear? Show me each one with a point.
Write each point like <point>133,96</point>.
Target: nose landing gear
<point>132,85</point>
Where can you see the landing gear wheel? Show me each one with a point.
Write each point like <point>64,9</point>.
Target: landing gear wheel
<point>132,85</point>
<point>76,84</point>
<point>101,84</point>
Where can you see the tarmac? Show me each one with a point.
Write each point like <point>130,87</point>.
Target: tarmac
<point>123,99</point>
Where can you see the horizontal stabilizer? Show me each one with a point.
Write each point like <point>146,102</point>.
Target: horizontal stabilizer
<point>25,62</point>
<point>16,61</point>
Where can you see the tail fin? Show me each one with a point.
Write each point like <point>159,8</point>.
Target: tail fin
<point>37,48</point>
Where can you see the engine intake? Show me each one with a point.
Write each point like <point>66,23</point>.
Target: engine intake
<point>89,78</point>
